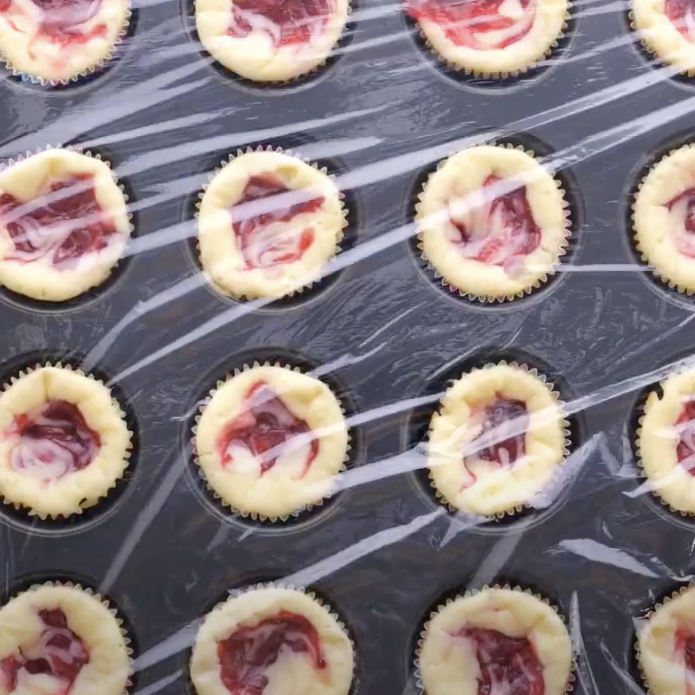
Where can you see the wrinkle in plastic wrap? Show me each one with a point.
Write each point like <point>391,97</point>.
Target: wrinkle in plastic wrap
<point>597,543</point>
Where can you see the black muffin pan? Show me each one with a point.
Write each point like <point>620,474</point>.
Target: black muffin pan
<point>382,552</point>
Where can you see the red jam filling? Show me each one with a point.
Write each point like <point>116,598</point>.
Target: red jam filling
<point>62,21</point>
<point>59,652</point>
<point>502,421</point>
<point>64,224</point>
<point>685,644</point>
<point>286,22</point>
<point>506,421</point>
<point>467,22</point>
<point>53,442</point>
<point>503,229</point>
<point>685,449</point>
<point>508,665</point>
<point>682,16</point>
<point>246,654</point>
<point>684,206</point>
<point>266,428</point>
<point>260,247</point>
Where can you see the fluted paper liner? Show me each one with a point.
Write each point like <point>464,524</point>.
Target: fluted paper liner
<point>437,277</point>
<point>92,503</point>
<point>253,515</point>
<point>290,153</point>
<point>467,594</point>
<point>557,474</point>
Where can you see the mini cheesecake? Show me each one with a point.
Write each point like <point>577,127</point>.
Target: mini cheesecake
<point>268,224</point>
<point>64,225</point>
<point>496,442</point>
<point>495,640</point>
<point>664,218</point>
<point>56,41</point>
<point>61,640</point>
<point>272,640</point>
<point>667,30</point>
<point>64,442</point>
<point>666,645</point>
<point>666,442</point>
<point>271,441</point>
<point>492,222</point>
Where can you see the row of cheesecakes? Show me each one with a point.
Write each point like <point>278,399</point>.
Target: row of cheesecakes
<point>492,223</point>
<point>271,442</point>
<point>56,41</point>
<point>60,638</point>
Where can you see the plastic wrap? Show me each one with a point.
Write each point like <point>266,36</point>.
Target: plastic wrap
<point>597,112</point>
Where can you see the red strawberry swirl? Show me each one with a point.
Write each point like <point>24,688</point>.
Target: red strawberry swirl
<point>248,652</point>
<point>500,230</point>
<point>270,432</point>
<point>482,25</point>
<point>286,22</point>
<point>52,442</point>
<point>682,16</point>
<point>684,649</point>
<point>685,429</point>
<point>63,225</point>
<point>59,653</point>
<point>683,209</point>
<point>62,21</point>
<point>262,222</point>
<point>502,426</point>
<point>508,665</point>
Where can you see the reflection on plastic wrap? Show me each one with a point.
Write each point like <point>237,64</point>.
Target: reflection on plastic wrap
<point>348,346</point>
